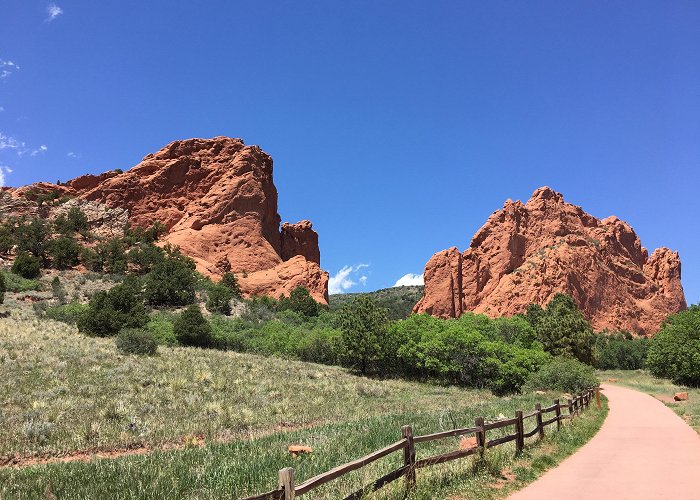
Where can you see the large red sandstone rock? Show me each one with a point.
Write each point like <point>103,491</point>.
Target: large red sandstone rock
<point>218,202</point>
<point>526,253</point>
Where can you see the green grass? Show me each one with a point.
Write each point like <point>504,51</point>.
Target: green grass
<point>661,389</point>
<point>250,466</point>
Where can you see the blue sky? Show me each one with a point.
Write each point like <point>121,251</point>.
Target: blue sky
<point>396,127</point>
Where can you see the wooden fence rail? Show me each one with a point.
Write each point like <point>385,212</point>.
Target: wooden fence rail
<point>407,445</point>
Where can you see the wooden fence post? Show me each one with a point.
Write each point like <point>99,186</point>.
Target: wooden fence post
<point>409,456</point>
<point>557,412</point>
<point>538,407</point>
<point>480,435</point>
<point>571,407</point>
<point>520,431</point>
<point>286,477</point>
<point>597,397</point>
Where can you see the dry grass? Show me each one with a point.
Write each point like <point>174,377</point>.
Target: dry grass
<point>64,391</point>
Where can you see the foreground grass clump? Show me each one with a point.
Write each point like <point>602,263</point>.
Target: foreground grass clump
<point>81,393</point>
<point>247,467</point>
<point>661,389</point>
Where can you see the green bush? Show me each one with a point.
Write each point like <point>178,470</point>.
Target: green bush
<point>134,341</point>
<point>109,312</point>
<point>192,329</point>
<point>68,313</point>
<point>260,309</point>
<point>620,351</point>
<point>7,240</point>
<point>161,329</point>
<point>17,284</point>
<point>71,222</point>
<point>674,352</point>
<point>144,256</point>
<point>457,352</point>
<point>64,252</point>
<point>219,299</point>
<point>562,374</point>
<point>30,237</point>
<point>171,282</point>
<point>27,266</point>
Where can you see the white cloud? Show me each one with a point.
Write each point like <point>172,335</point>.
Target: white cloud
<point>53,11</point>
<point>42,149</point>
<point>2,109</point>
<point>410,280</point>
<point>7,142</point>
<point>4,169</point>
<point>7,68</point>
<point>342,281</point>
<point>363,280</point>
<point>71,154</point>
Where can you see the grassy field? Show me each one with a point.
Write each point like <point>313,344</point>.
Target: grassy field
<point>215,424</point>
<point>250,466</point>
<point>661,389</point>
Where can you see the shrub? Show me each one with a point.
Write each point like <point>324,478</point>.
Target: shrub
<point>172,281</point>
<point>620,351</point>
<point>69,313</point>
<point>15,283</point>
<point>219,299</point>
<point>58,291</point>
<point>30,237</point>
<point>160,327</point>
<point>6,239</point>
<point>27,266</point>
<point>72,221</point>
<point>110,257</point>
<point>260,309</point>
<point>134,341</point>
<point>192,329</point>
<point>109,312</point>
<point>144,256</point>
<point>3,288</point>
<point>562,374</point>
<point>64,252</point>
<point>674,352</point>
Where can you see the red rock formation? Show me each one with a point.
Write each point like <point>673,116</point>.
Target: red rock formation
<point>526,253</point>
<point>218,202</point>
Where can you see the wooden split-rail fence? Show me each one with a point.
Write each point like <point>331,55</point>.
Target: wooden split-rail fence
<point>288,490</point>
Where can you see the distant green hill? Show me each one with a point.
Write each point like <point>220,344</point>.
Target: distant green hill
<point>398,300</point>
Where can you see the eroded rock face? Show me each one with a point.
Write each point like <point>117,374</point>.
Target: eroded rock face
<point>218,201</point>
<point>526,253</point>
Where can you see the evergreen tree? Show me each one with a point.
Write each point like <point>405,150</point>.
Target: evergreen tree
<point>364,327</point>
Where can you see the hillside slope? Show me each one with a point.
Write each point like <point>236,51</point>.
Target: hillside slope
<point>398,300</point>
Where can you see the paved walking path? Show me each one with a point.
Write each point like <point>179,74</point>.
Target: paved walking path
<point>642,451</point>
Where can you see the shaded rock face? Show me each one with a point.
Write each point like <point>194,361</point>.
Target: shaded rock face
<point>218,202</point>
<point>526,253</point>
